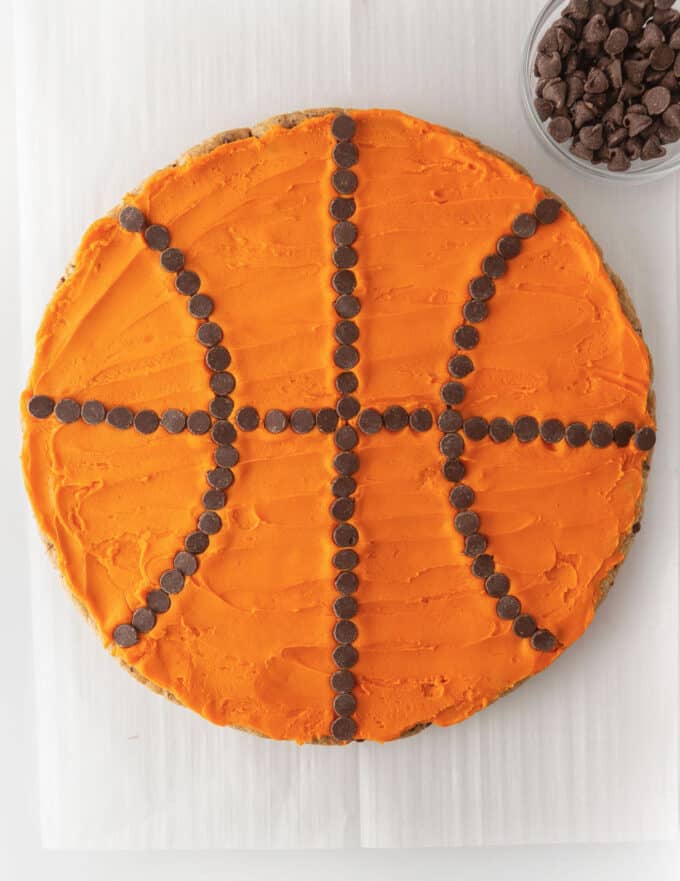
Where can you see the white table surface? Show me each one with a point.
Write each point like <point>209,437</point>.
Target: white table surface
<point>434,59</point>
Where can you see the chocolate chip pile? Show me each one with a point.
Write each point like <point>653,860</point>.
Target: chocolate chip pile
<point>609,79</point>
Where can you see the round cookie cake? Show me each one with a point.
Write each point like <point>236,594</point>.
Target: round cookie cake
<point>338,427</point>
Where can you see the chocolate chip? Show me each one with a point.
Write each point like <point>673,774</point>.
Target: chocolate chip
<point>221,408</point>
<point>223,432</point>
<point>509,246</point>
<point>209,334</point>
<point>210,522</point>
<point>555,90</point>
<point>125,635</point>
<point>451,445</point>
<point>345,607</point>
<point>475,311</point>
<point>200,306</point>
<point>635,528</point>
<point>481,288</point>
<point>214,499</point>
<point>346,332</point>
<point>196,542</point>
<point>220,478</point>
<point>346,582</point>
<point>596,29</point>
<point>41,406</point>
<point>346,438</point>
<point>636,123</point>
<point>671,116</point>
<point>187,282</point>
<point>345,257</point>
<point>526,429</point>
<point>475,545</point>
<point>500,430</point>
<point>476,428</point>
<point>576,434</point>
<point>453,470</point>
<point>460,366</point>
<point>348,407</point>
<point>601,434</point>
<point>345,631</point>
<point>343,486</point>
<point>143,620</point>
<point>656,100</point>
<point>547,211</point>
<point>497,585</point>
<point>508,608</point>
<point>132,220</point>
<point>524,626</point>
<point>345,656</point>
<point>342,681</point>
<point>421,420</point>
<point>327,420</point>
<point>466,336</point>
<point>302,420</point>
<point>461,496</point>
<point>343,127</point>
<point>343,728</point>
<point>618,161</point>
<point>552,431</point>
<point>450,420</point>
<point>544,108</point>
<point>342,508</point>
<point>346,383</point>
<point>524,225</point>
<point>345,154</point>
<point>346,463</point>
<point>452,393</point>
<point>218,358</point>
<point>93,412</point>
<point>494,266</point>
<point>370,421</point>
<point>345,357</point>
<point>172,260</point>
<point>596,83</point>
<point>561,130</point>
<point>662,58</point>
<point>652,148</point>
<point>344,282</point>
<point>146,421</point>
<point>623,432</point>
<point>543,641</point>
<point>466,523</point>
<point>185,563</point>
<point>275,421</point>
<point>120,417</point>
<point>247,418</point>
<point>172,581</point>
<point>616,42</point>
<point>226,456</point>
<point>345,705</point>
<point>344,181</point>
<point>67,411</point>
<point>344,234</point>
<point>395,418</point>
<point>483,565</point>
<point>173,421</point>
<point>158,601</point>
<point>199,422</point>
<point>347,306</point>
<point>222,383</point>
<point>645,439</point>
<point>342,209</point>
<point>157,237</point>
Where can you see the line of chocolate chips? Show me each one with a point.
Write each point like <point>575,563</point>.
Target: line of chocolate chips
<point>452,425</point>
<point>346,462</point>
<point>223,434</point>
<point>552,431</point>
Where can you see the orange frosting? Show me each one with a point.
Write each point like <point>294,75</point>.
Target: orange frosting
<point>248,642</point>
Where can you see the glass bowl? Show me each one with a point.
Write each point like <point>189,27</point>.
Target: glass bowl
<point>639,172</point>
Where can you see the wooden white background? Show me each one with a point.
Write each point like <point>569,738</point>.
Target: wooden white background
<point>98,95</point>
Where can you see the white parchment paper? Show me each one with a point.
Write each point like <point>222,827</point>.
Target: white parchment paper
<point>106,93</point>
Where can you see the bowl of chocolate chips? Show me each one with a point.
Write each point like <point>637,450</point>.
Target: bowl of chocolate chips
<point>601,85</point>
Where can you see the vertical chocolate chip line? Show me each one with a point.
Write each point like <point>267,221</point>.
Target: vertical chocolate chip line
<point>345,358</point>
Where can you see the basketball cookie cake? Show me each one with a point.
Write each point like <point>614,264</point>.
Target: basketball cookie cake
<point>338,427</point>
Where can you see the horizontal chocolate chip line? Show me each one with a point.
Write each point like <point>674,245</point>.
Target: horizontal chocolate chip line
<point>552,431</point>
<point>303,420</point>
